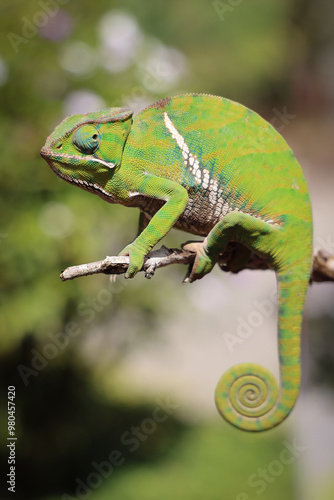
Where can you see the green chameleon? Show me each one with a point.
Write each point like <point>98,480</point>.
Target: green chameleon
<point>213,168</point>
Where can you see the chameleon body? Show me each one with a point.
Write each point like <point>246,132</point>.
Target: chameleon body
<point>213,168</point>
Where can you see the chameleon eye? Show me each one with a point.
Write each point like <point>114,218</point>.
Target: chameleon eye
<point>86,139</point>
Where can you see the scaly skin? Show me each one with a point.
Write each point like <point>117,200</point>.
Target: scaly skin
<point>213,168</point>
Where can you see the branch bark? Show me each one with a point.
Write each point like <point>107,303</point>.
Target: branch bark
<point>322,270</point>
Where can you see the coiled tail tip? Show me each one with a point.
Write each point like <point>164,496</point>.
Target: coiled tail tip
<point>247,397</point>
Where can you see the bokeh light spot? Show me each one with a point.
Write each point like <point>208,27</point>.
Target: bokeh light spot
<point>56,220</point>
<point>120,38</point>
<point>58,27</point>
<point>83,101</point>
<point>78,58</point>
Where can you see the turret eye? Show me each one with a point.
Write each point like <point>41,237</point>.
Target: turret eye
<point>86,139</point>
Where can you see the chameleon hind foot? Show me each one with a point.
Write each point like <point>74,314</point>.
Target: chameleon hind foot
<point>202,265</point>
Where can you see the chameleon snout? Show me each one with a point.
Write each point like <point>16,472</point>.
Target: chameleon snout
<point>44,152</point>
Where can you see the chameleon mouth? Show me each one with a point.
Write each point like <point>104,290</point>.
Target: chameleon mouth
<point>47,154</point>
<point>72,180</point>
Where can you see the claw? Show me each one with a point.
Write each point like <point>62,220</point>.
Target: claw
<point>186,279</point>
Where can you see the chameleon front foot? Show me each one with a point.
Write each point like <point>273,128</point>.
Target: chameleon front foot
<point>136,259</point>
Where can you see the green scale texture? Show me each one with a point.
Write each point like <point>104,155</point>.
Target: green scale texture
<point>214,168</point>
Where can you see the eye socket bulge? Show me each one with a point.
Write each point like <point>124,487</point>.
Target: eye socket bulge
<point>86,139</point>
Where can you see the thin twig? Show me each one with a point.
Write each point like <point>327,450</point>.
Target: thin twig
<point>323,263</point>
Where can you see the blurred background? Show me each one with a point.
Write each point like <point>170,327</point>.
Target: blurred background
<point>115,381</point>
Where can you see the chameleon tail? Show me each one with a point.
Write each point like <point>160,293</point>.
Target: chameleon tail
<point>247,395</point>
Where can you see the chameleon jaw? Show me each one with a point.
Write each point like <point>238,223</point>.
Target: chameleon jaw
<point>49,154</point>
<point>96,188</point>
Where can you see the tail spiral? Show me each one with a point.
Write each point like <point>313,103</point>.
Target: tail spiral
<point>245,394</point>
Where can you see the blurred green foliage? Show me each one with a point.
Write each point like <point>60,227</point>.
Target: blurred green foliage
<point>63,424</point>
<point>194,470</point>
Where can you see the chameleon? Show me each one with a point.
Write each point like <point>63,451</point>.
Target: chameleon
<point>216,169</point>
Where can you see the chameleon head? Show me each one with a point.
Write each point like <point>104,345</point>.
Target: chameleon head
<point>86,149</point>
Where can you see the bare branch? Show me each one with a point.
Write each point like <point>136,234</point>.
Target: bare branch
<point>323,263</point>
<point>119,264</point>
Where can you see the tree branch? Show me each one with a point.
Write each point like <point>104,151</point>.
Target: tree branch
<point>323,263</point>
